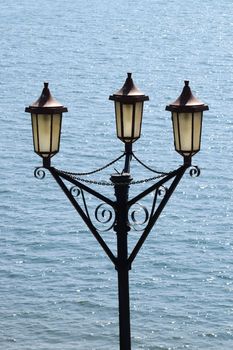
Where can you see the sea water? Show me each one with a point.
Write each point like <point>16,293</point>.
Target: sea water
<point>58,289</point>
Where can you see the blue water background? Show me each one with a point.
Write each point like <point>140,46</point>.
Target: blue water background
<point>58,290</point>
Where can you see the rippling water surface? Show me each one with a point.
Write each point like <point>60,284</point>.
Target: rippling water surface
<point>58,290</point>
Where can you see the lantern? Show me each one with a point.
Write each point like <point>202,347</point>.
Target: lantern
<point>187,113</point>
<point>46,116</point>
<point>128,111</point>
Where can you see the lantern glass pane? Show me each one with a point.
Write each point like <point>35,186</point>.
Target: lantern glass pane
<point>197,131</point>
<point>176,131</point>
<point>185,132</point>
<point>56,128</point>
<point>35,132</point>
<point>128,122</point>
<point>138,119</point>
<point>44,134</point>
<point>118,119</point>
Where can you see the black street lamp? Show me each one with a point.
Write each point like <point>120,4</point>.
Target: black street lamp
<point>187,113</point>
<point>120,215</point>
<point>46,116</point>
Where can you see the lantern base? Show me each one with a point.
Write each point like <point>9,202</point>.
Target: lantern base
<point>187,161</point>
<point>46,162</point>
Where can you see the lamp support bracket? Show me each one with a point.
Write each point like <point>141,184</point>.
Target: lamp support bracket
<point>84,215</point>
<point>155,212</point>
<point>121,191</point>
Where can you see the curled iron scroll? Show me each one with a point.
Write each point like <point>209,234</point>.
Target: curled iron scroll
<point>104,214</point>
<point>195,171</point>
<point>75,191</point>
<point>39,173</point>
<point>162,190</point>
<point>138,216</point>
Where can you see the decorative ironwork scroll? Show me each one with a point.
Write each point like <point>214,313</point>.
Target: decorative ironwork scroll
<point>162,190</point>
<point>75,191</point>
<point>39,173</point>
<point>194,171</point>
<point>138,216</point>
<point>105,214</point>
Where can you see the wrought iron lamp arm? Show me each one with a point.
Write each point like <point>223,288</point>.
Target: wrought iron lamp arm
<point>154,216</point>
<point>80,211</point>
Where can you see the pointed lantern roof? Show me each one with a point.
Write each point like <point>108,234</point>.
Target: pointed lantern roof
<point>129,92</point>
<point>187,102</point>
<point>46,103</point>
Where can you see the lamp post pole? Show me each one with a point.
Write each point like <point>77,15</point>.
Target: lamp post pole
<point>122,228</point>
<point>120,214</point>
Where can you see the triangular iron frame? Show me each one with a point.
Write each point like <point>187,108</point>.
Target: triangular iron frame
<point>84,215</point>
<point>175,176</point>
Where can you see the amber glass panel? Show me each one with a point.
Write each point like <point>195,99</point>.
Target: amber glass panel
<point>127,121</point>
<point>35,132</point>
<point>185,128</point>
<point>197,123</point>
<point>138,120</point>
<point>56,129</point>
<point>176,131</point>
<point>118,119</point>
<point>187,132</point>
<point>44,133</point>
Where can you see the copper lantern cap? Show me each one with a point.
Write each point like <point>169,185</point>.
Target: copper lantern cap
<point>129,92</point>
<point>187,102</point>
<point>46,103</point>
